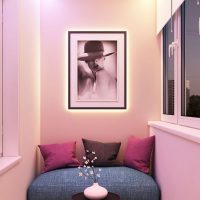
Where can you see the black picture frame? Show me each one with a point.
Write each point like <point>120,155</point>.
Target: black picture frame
<point>104,85</point>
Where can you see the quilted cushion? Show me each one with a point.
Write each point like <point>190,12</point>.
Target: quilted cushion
<point>138,153</point>
<point>59,155</point>
<point>61,184</point>
<point>106,152</point>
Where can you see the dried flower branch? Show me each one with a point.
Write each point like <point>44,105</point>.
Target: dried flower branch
<point>88,170</point>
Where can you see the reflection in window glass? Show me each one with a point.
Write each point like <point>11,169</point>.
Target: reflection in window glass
<point>191,59</point>
<point>168,73</point>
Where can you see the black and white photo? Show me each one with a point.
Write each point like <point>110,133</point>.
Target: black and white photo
<point>97,69</point>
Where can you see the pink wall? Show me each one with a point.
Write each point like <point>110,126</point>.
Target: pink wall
<point>25,16</point>
<point>138,18</point>
<point>177,164</point>
<point>58,124</point>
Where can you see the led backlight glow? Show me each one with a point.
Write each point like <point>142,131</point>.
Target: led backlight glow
<point>97,110</point>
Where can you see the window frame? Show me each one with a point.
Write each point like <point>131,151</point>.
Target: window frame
<point>11,90</point>
<point>184,120</point>
<point>179,72</point>
<point>166,117</point>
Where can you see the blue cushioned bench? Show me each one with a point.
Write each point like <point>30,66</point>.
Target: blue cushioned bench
<point>61,184</point>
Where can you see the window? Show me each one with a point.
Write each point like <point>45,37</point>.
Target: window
<point>170,62</point>
<point>168,66</point>
<point>190,59</point>
<point>181,66</point>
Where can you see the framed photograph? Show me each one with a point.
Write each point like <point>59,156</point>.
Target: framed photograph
<point>97,69</point>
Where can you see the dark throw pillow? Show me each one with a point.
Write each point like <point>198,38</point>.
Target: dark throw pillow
<point>106,153</point>
<point>139,153</point>
<point>59,155</point>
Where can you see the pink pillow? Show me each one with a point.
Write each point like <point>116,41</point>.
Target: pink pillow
<point>138,153</point>
<point>59,155</point>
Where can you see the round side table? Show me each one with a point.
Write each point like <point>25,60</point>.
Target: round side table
<point>110,196</point>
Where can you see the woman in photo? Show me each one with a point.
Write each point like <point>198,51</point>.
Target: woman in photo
<point>95,82</point>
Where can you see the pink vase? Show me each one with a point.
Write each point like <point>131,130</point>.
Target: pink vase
<point>95,192</point>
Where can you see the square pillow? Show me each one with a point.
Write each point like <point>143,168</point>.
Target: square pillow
<point>139,153</point>
<point>59,155</point>
<point>106,153</point>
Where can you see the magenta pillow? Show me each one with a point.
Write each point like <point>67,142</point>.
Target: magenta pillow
<point>59,155</point>
<point>139,152</point>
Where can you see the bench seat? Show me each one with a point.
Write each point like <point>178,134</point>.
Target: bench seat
<point>61,184</point>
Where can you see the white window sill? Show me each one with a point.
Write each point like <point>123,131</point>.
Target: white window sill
<point>188,133</point>
<point>7,163</point>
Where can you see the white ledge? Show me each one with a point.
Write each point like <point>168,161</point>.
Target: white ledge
<point>188,133</point>
<point>7,163</point>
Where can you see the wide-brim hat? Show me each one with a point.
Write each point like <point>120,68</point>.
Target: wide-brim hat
<point>93,50</point>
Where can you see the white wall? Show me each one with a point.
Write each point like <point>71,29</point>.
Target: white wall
<point>14,183</point>
<point>177,161</point>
